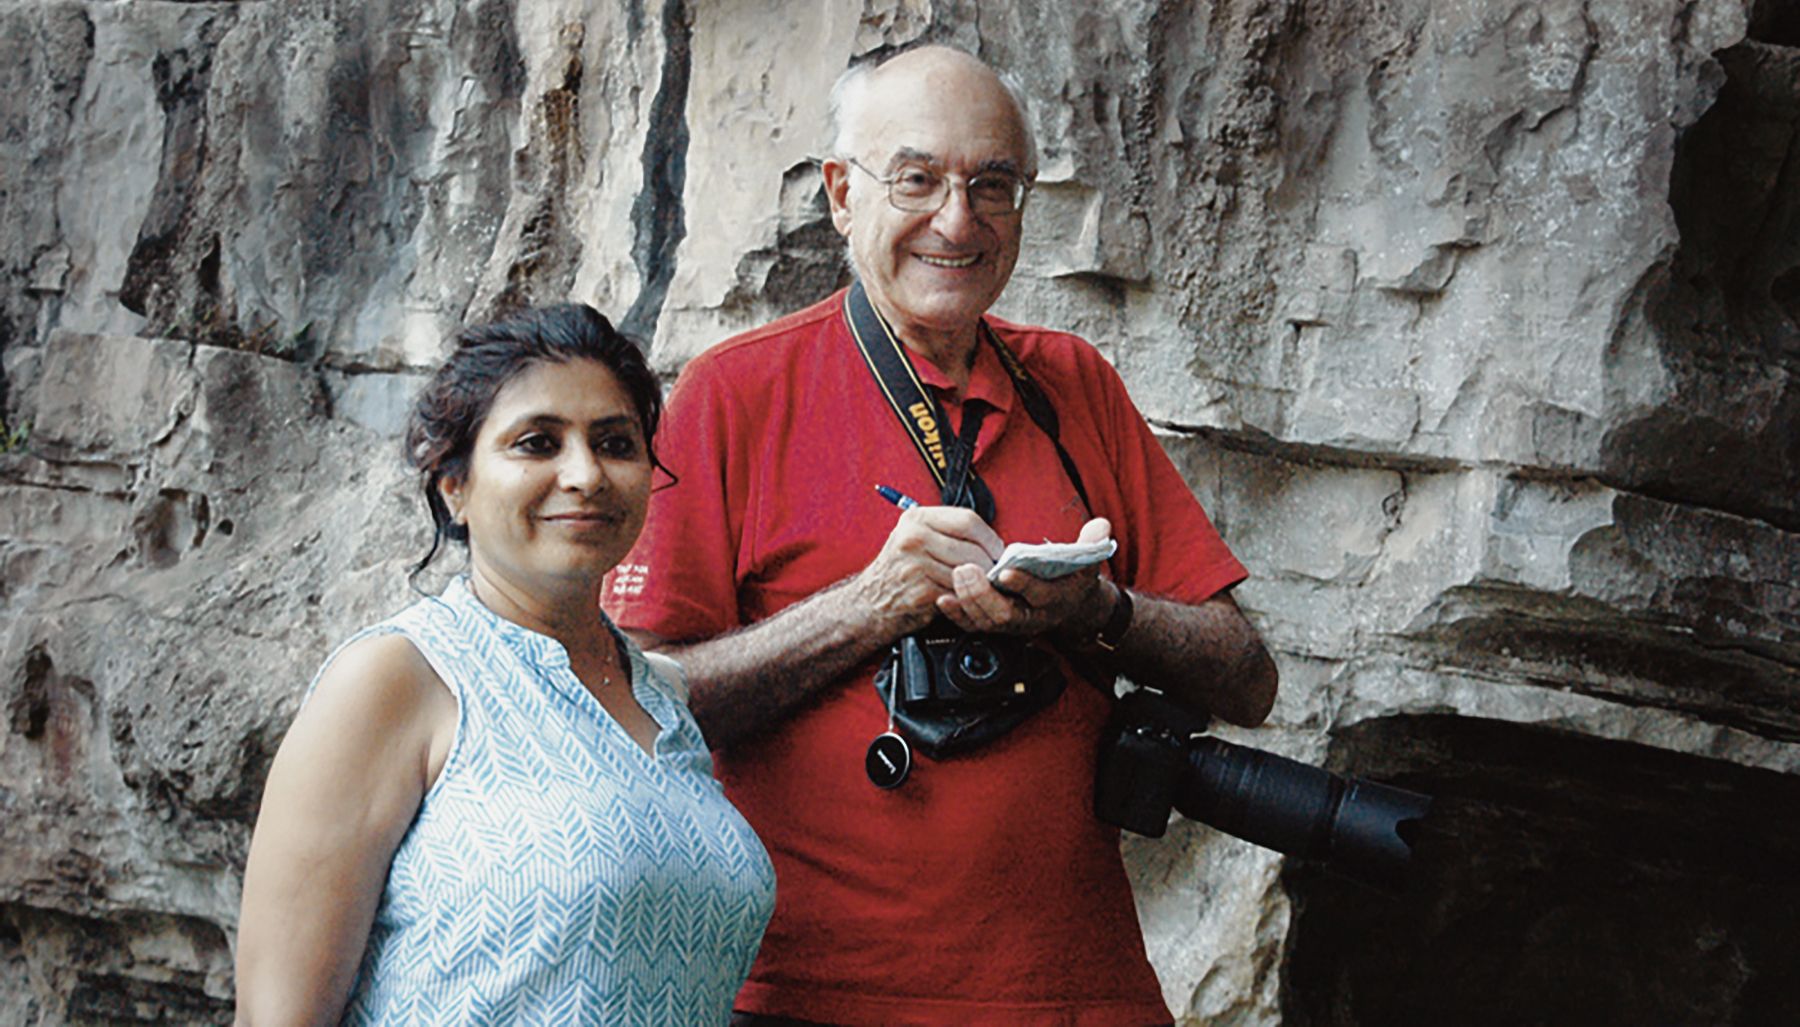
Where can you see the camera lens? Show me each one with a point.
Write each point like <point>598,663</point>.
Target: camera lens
<point>974,665</point>
<point>1361,829</point>
<point>1358,828</point>
<point>979,664</point>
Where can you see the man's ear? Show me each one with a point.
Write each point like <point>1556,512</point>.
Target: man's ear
<point>837,190</point>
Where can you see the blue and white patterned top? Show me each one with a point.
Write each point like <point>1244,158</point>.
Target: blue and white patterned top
<point>557,873</point>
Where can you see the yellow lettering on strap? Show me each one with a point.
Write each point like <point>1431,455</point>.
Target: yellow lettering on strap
<point>928,433</point>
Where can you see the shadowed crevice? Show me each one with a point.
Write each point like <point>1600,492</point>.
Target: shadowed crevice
<point>182,78</point>
<point>1722,312</point>
<point>657,216</point>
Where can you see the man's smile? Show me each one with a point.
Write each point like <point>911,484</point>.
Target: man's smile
<point>949,262</point>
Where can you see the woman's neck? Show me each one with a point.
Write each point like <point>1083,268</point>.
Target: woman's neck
<point>573,618</point>
<point>568,615</point>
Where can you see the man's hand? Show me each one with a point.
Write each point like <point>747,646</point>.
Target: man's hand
<point>930,550</point>
<point>1023,604</point>
<point>1207,656</point>
<point>747,681</point>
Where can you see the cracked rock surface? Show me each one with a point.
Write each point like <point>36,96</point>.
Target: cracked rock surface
<point>1475,325</point>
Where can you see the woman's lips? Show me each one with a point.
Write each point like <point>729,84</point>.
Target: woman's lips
<point>584,518</point>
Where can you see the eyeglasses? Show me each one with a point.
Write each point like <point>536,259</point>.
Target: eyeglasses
<point>918,189</point>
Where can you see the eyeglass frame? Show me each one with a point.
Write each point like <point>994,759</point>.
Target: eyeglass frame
<point>1022,187</point>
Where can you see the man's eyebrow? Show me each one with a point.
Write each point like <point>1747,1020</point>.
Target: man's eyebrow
<point>908,155</point>
<point>1009,166</point>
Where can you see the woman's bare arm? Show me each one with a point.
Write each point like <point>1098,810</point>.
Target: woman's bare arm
<point>343,788</point>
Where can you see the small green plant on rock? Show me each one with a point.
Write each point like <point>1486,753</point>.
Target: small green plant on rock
<point>13,439</point>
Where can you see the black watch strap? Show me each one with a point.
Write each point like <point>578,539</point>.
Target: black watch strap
<point>1113,631</point>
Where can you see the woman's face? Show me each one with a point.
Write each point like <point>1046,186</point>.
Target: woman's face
<point>558,480</point>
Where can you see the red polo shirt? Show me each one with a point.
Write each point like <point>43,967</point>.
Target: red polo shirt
<point>983,890</point>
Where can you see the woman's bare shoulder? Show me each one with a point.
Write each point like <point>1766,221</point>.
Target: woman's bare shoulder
<point>380,688</point>
<point>378,670</point>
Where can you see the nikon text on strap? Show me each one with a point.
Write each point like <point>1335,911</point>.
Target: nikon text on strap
<point>923,418</point>
<point>951,458</point>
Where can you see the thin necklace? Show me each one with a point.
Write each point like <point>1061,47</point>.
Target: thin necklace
<point>609,661</point>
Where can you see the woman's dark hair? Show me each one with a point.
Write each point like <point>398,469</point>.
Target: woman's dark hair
<point>446,417</point>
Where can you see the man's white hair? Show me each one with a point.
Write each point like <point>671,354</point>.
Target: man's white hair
<point>851,91</point>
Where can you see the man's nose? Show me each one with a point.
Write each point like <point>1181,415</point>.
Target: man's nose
<point>956,217</point>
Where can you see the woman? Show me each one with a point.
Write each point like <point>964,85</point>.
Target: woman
<point>492,808</point>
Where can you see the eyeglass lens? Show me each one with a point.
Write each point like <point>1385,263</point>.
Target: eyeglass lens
<point>921,190</point>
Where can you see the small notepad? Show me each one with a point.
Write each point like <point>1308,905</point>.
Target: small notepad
<point>1049,560</point>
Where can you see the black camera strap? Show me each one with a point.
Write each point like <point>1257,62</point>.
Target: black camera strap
<point>919,414</point>
<point>950,730</point>
<point>952,460</point>
<point>1038,405</point>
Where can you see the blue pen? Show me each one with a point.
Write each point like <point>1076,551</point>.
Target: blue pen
<point>896,497</point>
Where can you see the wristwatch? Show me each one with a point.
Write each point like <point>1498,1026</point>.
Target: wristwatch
<point>1113,631</point>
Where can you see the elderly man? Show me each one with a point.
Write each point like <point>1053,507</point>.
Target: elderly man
<point>981,888</point>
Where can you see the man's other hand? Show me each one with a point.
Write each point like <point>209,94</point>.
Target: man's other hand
<point>1023,604</point>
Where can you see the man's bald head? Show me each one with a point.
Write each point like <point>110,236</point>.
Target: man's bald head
<point>922,68</point>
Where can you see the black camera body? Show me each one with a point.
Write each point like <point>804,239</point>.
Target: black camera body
<point>951,692</point>
<point>956,670</point>
<point>1152,761</point>
<point>1143,763</point>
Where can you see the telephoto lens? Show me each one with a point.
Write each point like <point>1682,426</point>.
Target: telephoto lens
<point>1357,828</point>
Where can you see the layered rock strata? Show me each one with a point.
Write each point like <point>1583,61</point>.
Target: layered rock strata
<point>1475,326</point>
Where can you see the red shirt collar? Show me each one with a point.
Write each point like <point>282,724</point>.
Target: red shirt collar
<point>988,380</point>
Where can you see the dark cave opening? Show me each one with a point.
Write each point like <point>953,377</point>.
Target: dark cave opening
<point>1560,879</point>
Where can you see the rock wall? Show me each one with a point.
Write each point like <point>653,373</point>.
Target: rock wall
<point>1474,324</point>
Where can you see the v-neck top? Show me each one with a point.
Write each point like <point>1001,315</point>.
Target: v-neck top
<point>556,872</point>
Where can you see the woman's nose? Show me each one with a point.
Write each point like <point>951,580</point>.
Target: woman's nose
<point>580,468</point>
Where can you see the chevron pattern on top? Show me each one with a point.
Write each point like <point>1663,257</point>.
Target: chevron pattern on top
<point>556,873</point>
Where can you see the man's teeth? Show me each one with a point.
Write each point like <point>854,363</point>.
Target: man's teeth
<point>948,261</point>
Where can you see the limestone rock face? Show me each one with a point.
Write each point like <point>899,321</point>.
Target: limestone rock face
<point>1475,326</point>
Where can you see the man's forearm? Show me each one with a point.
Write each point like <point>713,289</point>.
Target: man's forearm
<point>746,682</point>
<point>1206,656</point>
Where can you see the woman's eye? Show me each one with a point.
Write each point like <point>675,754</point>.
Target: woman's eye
<point>619,447</point>
<point>535,444</point>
